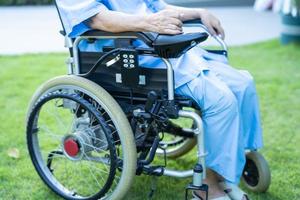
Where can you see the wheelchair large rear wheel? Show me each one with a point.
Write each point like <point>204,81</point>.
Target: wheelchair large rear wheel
<point>176,146</point>
<point>256,175</point>
<point>80,141</point>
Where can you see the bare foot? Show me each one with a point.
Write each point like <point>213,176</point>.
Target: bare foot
<point>234,192</point>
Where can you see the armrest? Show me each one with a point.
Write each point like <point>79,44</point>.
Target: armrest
<point>166,46</point>
<point>146,37</point>
<point>174,46</point>
<point>198,23</point>
<point>193,21</point>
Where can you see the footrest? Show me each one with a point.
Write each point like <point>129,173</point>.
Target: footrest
<point>191,187</point>
<point>153,170</point>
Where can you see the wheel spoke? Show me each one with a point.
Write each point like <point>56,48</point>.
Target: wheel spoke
<point>71,125</point>
<point>95,148</point>
<point>77,141</point>
<point>50,133</point>
<point>84,179</point>
<point>91,172</point>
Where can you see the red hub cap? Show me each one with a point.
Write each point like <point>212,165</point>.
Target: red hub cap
<point>71,147</point>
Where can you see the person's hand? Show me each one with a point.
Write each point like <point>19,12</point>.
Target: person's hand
<point>164,22</point>
<point>212,23</point>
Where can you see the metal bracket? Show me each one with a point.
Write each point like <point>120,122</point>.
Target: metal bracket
<point>68,42</point>
<point>193,188</point>
<point>69,63</point>
<point>112,61</point>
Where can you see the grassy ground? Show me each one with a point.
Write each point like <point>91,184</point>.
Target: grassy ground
<point>276,70</point>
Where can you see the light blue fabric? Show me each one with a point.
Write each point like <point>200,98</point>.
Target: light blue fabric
<point>227,97</point>
<point>230,113</point>
<point>75,13</point>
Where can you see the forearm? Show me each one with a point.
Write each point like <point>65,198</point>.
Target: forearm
<point>164,22</point>
<point>115,22</point>
<point>187,13</point>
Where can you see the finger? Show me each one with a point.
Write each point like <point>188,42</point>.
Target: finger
<point>211,30</point>
<point>174,27</point>
<point>219,30</point>
<point>171,32</point>
<point>175,21</point>
<point>222,32</point>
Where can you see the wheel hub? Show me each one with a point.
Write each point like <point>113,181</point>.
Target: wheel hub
<point>78,144</point>
<point>250,173</point>
<point>71,147</point>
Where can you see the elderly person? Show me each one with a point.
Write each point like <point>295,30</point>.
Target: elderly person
<point>227,97</point>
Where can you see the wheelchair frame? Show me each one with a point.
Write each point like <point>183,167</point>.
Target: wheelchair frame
<point>137,120</point>
<point>74,69</point>
<point>199,171</point>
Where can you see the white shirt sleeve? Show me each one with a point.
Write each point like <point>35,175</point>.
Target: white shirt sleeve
<point>75,13</point>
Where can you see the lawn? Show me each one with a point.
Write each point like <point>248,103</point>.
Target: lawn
<point>276,69</point>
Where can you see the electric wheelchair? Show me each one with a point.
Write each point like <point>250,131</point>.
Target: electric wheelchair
<point>89,133</point>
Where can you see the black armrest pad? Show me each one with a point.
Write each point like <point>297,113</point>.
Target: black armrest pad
<point>174,46</point>
<point>166,46</point>
<point>193,21</point>
<point>146,37</point>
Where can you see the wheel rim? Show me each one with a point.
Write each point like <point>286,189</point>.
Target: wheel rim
<point>86,156</point>
<point>172,141</point>
<point>173,145</point>
<point>251,173</point>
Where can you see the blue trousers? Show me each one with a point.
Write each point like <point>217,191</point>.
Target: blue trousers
<point>230,113</point>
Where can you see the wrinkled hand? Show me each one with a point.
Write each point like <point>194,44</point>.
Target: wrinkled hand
<point>164,22</point>
<point>212,23</point>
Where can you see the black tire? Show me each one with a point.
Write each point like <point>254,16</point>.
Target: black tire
<point>256,175</point>
<point>178,146</point>
<point>118,125</point>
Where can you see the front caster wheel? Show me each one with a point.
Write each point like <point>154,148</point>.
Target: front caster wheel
<point>256,175</point>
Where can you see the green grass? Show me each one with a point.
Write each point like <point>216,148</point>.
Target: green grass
<point>276,69</point>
